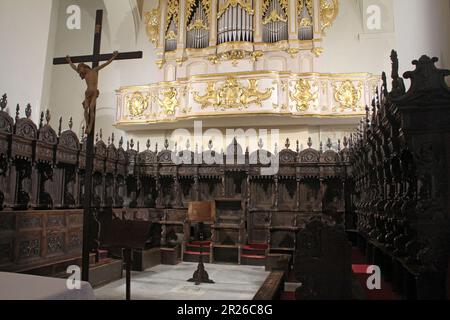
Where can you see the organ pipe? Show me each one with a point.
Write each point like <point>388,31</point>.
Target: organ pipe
<point>235,21</point>
<point>275,25</point>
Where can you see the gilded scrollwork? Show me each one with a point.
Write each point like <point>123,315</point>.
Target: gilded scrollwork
<point>169,101</point>
<point>329,10</point>
<point>137,103</point>
<point>348,95</point>
<point>303,95</point>
<point>235,55</point>
<point>152,25</point>
<point>301,4</point>
<point>172,13</point>
<point>244,4</point>
<point>232,95</point>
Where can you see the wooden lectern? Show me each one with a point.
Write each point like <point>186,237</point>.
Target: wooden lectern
<point>128,236</point>
<point>201,212</point>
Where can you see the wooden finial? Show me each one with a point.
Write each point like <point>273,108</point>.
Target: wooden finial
<point>48,116</point>
<point>70,124</point>
<point>41,120</point>
<point>210,145</point>
<point>121,142</point>
<point>287,144</point>
<point>310,142</point>
<point>148,144</point>
<point>28,111</point>
<point>60,126</point>
<point>329,144</point>
<point>166,144</point>
<point>4,102</point>
<point>17,112</point>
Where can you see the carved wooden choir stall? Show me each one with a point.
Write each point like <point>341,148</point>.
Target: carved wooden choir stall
<point>401,172</point>
<point>388,186</point>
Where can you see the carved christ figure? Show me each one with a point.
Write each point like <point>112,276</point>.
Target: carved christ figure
<point>92,93</point>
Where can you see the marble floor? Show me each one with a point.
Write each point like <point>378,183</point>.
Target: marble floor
<point>232,282</point>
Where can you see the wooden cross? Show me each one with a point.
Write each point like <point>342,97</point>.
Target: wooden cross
<point>95,58</point>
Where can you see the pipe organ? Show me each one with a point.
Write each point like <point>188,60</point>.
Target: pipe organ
<point>235,21</point>
<point>197,30</point>
<point>172,25</point>
<point>305,15</point>
<point>208,37</point>
<point>206,24</point>
<point>275,22</point>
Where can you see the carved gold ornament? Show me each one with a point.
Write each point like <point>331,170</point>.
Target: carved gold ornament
<point>317,51</point>
<point>266,3</point>
<point>305,22</point>
<point>172,13</point>
<point>305,3</point>
<point>348,95</point>
<point>191,5</point>
<point>329,10</point>
<point>232,95</point>
<point>235,55</point>
<point>274,17</point>
<point>160,63</point>
<point>245,4</point>
<point>256,55</point>
<point>303,95</point>
<point>152,25</point>
<point>137,103</point>
<point>293,52</point>
<point>171,35</point>
<point>198,24</point>
<point>169,101</point>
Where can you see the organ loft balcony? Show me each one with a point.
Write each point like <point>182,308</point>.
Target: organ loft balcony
<point>252,61</point>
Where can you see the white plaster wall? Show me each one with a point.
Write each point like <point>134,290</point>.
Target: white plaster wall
<point>25,28</point>
<point>119,33</point>
<point>422,27</point>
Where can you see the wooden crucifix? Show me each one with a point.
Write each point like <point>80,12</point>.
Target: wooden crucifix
<point>89,106</point>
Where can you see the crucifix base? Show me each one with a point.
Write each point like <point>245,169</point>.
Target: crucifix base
<point>200,275</point>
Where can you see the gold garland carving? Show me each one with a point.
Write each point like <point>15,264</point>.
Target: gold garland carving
<point>232,95</point>
<point>244,4</point>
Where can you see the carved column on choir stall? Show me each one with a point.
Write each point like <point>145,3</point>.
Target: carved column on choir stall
<point>321,194</point>
<point>297,205</point>
<point>196,188</point>
<point>222,184</point>
<point>248,190</point>
<point>258,20</point>
<point>159,195</point>
<point>213,24</point>
<point>177,191</point>
<point>275,194</point>
<point>292,19</point>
